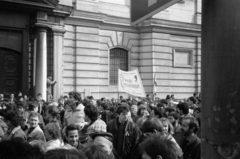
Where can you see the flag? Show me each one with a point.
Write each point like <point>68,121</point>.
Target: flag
<point>131,83</point>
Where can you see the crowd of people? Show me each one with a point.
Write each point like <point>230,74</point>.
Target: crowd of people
<point>76,128</point>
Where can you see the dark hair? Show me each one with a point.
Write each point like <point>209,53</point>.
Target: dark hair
<point>105,106</point>
<point>160,105</point>
<point>164,101</point>
<point>71,128</point>
<point>168,110</point>
<point>91,97</point>
<point>53,111</point>
<point>158,111</point>
<point>157,144</point>
<point>64,154</point>
<point>14,118</point>
<point>193,123</point>
<point>99,102</point>
<point>95,152</point>
<point>20,104</point>
<point>76,96</point>
<point>33,105</point>
<point>168,97</point>
<point>152,124</point>
<point>33,114</point>
<point>140,103</point>
<point>193,99</point>
<point>175,115</point>
<point>140,109</point>
<point>15,149</point>
<point>54,130</point>
<point>183,107</point>
<point>123,108</point>
<point>91,112</point>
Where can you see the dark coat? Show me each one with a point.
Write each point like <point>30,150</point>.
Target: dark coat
<point>131,136</point>
<point>192,150</point>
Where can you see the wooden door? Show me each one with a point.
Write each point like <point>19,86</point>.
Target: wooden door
<point>10,71</point>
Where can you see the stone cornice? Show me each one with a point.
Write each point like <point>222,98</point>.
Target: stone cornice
<point>123,24</point>
<point>62,11</point>
<point>38,5</point>
<point>100,24</point>
<point>171,27</point>
<point>101,17</point>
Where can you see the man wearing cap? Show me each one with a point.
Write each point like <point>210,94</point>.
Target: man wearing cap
<point>125,133</point>
<point>104,140</point>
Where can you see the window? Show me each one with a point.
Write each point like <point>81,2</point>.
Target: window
<point>118,60</point>
<point>182,57</point>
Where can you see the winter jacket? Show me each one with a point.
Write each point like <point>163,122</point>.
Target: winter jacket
<point>192,150</point>
<point>131,136</point>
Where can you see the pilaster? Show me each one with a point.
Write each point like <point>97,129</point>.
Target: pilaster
<point>57,61</point>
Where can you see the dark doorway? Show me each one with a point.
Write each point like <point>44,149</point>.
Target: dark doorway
<point>10,71</point>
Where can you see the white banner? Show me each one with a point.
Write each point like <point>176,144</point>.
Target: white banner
<point>131,83</point>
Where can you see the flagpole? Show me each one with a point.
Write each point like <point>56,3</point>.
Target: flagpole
<point>118,86</point>
<point>154,86</point>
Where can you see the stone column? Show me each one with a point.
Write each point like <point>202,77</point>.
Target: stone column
<point>41,63</point>
<point>220,79</point>
<point>57,62</point>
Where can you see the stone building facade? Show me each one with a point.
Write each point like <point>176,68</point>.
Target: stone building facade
<point>82,43</point>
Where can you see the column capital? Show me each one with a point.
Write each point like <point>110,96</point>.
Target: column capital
<point>41,20</point>
<point>41,29</point>
<point>58,31</point>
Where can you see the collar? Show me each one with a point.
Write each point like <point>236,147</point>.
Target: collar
<point>10,130</point>
<point>118,123</point>
<point>14,129</point>
<point>191,138</point>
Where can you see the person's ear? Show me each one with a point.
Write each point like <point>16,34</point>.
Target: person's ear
<point>159,157</point>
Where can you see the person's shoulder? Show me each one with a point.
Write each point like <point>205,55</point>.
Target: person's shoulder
<point>111,122</point>
<point>38,130</point>
<point>100,121</point>
<point>68,110</point>
<point>198,140</point>
<point>132,125</point>
<point>19,131</point>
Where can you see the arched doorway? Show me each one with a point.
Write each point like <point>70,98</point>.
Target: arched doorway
<point>10,71</point>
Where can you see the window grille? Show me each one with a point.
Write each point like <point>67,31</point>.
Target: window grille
<point>118,60</point>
